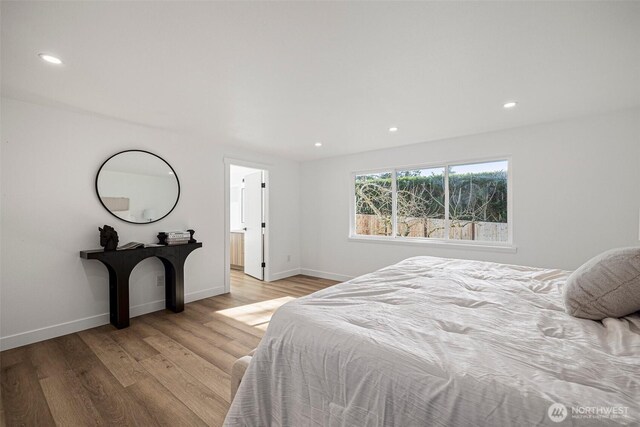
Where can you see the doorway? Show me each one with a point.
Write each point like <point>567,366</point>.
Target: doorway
<point>246,221</point>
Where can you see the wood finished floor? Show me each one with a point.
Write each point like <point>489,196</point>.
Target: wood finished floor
<point>169,369</point>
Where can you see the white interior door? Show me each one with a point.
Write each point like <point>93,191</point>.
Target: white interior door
<point>253,244</point>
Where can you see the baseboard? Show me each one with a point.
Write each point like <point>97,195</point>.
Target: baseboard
<point>284,274</point>
<point>149,307</point>
<point>198,295</point>
<point>325,275</point>
<point>48,332</point>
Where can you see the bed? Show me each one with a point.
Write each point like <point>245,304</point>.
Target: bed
<point>441,342</point>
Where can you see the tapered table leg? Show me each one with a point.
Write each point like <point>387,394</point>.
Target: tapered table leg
<point>118,298</point>
<point>174,285</point>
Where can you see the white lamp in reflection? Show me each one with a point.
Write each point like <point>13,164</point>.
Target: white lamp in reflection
<point>149,214</point>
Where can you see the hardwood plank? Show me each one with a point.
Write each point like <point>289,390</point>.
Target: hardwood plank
<point>13,356</point>
<point>209,375</point>
<point>237,348</point>
<point>288,290</point>
<point>256,313</point>
<point>23,401</point>
<point>201,346</point>
<point>143,329</point>
<point>314,280</point>
<point>163,406</point>
<point>76,352</point>
<point>47,358</point>
<point>202,401</point>
<point>238,325</point>
<point>133,343</point>
<point>68,401</point>
<point>258,293</point>
<point>195,313</point>
<point>234,333</point>
<point>124,367</point>
<point>201,309</point>
<point>183,321</point>
<point>231,296</point>
<point>115,404</point>
<point>263,326</point>
<point>221,302</point>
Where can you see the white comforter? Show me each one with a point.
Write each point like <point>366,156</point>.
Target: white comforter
<point>441,342</point>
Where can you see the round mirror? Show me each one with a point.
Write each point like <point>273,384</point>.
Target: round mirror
<point>137,186</point>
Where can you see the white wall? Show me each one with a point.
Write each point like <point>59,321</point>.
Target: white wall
<point>576,192</point>
<point>50,212</point>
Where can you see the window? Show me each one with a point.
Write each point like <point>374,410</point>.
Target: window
<point>478,202</point>
<point>451,202</point>
<point>374,201</point>
<point>421,203</point>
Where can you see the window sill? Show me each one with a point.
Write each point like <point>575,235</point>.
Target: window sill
<point>440,244</point>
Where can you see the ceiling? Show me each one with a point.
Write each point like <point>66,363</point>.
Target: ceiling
<point>278,77</point>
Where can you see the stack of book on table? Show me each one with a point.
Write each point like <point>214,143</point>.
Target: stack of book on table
<point>175,237</point>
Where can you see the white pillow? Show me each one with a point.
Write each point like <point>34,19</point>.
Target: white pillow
<point>607,285</point>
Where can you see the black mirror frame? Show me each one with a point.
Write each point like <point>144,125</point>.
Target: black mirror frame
<point>138,151</point>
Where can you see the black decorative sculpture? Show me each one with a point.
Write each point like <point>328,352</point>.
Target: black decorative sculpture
<point>162,238</point>
<point>192,232</point>
<point>108,238</point>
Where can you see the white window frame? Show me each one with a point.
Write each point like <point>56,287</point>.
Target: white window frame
<point>445,242</point>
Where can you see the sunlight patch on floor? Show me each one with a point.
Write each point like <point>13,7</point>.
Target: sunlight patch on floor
<point>263,326</point>
<point>257,314</point>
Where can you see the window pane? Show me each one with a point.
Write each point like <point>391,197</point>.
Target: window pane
<point>478,202</point>
<point>373,204</point>
<point>421,202</point>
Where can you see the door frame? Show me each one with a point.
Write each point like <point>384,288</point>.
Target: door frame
<point>228,161</point>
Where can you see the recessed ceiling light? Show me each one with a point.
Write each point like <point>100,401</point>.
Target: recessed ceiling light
<point>318,144</point>
<point>50,58</point>
<point>510,104</point>
<point>393,129</point>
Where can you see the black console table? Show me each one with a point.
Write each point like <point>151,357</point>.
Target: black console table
<point>121,263</point>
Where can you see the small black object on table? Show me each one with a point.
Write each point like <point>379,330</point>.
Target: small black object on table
<point>121,263</point>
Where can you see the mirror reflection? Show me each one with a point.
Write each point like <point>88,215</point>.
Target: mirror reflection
<point>138,186</point>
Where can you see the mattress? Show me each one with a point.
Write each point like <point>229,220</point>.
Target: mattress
<point>442,342</point>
